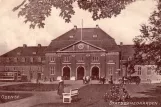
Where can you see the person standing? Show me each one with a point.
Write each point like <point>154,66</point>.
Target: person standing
<point>84,79</point>
<point>103,80</point>
<point>111,80</point>
<point>60,88</point>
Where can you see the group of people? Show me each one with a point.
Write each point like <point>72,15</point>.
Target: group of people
<point>102,80</point>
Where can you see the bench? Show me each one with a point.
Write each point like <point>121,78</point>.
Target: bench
<point>68,97</point>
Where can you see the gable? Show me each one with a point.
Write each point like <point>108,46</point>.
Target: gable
<point>81,46</point>
<point>94,36</point>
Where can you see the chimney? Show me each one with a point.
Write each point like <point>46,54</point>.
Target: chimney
<point>39,45</point>
<point>75,27</point>
<point>121,43</point>
<point>24,45</point>
<point>97,26</point>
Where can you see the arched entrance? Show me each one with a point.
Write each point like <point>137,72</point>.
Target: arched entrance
<point>66,73</point>
<point>95,73</point>
<point>80,73</point>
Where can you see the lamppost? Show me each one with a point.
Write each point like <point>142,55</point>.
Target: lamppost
<point>121,44</point>
<point>117,72</point>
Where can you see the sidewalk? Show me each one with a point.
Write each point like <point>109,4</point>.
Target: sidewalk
<point>39,98</point>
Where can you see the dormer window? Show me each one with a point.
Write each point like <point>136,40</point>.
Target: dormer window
<point>71,36</point>
<point>7,59</point>
<point>34,53</point>
<point>18,53</point>
<point>94,36</point>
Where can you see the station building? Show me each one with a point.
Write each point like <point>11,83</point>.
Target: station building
<point>78,52</point>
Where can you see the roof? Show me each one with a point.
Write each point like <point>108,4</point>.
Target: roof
<point>103,40</point>
<point>26,51</point>
<point>127,50</point>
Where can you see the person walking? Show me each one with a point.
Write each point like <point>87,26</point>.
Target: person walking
<point>60,88</point>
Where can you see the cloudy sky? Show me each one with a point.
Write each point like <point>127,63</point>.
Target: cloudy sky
<point>123,28</point>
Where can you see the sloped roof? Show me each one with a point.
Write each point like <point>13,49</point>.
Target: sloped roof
<point>103,40</point>
<point>127,51</point>
<point>26,51</point>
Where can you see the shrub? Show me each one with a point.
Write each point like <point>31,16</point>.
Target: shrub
<point>116,93</point>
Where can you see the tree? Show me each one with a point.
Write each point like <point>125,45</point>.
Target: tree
<point>148,44</point>
<point>36,11</point>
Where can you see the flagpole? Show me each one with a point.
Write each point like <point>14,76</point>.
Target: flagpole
<point>81,29</point>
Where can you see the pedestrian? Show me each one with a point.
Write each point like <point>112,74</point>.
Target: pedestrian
<point>60,88</point>
<point>111,80</point>
<point>103,80</point>
<point>84,78</point>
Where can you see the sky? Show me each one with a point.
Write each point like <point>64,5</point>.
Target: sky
<point>123,28</point>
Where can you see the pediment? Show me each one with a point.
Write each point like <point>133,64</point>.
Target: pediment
<point>81,46</point>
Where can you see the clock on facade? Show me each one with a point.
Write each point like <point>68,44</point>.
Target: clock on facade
<point>81,46</point>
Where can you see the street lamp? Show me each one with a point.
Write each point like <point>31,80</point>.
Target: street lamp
<point>121,44</point>
<point>117,75</point>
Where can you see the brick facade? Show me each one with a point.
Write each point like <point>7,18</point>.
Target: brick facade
<point>95,54</point>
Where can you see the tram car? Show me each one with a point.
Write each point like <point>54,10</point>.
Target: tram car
<point>10,76</point>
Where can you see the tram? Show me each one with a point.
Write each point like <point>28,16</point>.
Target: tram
<point>10,76</point>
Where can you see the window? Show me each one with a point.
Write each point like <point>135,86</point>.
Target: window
<point>7,59</point>
<point>6,68</point>
<point>95,58</point>
<point>15,59</point>
<point>129,58</point>
<point>34,53</point>
<point>81,59</point>
<point>139,70</point>
<point>22,69</point>
<point>52,70</point>
<point>52,59</point>
<point>14,68</point>
<point>158,72</point>
<point>39,68</point>
<point>39,59</point>
<point>23,59</point>
<point>110,70</point>
<point>66,59</point>
<point>148,70</point>
<point>31,59</point>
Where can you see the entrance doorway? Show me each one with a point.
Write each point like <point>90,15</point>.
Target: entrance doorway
<point>80,73</point>
<point>39,76</point>
<point>66,73</point>
<point>95,73</point>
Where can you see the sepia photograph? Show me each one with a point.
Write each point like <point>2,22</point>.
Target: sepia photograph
<point>80,53</point>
